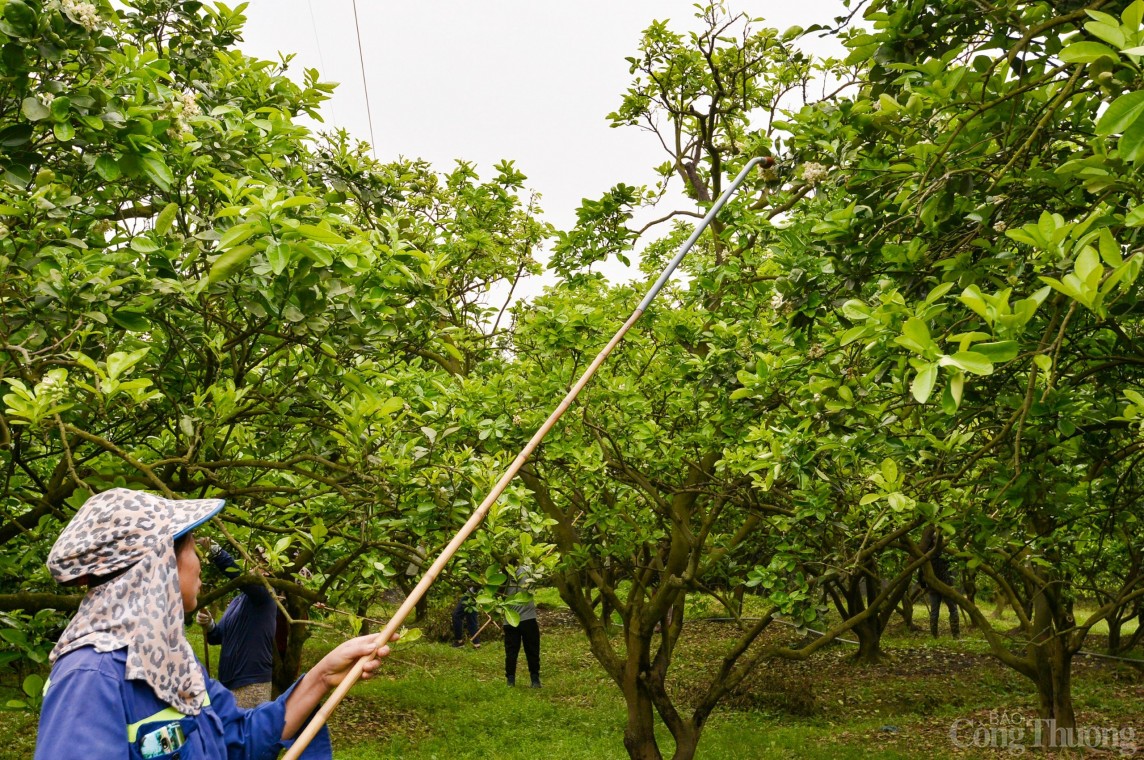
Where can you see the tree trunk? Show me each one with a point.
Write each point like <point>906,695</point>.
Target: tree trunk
<point>1054,690</point>
<point>1114,624</point>
<point>686,743</point>
<point>1053,663</point>
<point>869,633</point>
<point>639,733</point>
<point>288,660</point>
<point>363,612</point>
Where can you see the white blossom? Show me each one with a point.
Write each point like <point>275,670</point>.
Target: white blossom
<point>84,14</point>
<point>190,104</point>
<point>1000,226</point>
<point>817,351</point>
<point>777,301</point>
<point>813,173</point>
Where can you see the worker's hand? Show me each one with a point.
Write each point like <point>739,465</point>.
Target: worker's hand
<point>208,545</point>
<point>334,666</point>
<point>204,618</point>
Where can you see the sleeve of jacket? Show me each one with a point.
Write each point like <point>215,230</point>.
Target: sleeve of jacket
<point>257,733</point>
<point>228,567</point>
<point>83,715</point>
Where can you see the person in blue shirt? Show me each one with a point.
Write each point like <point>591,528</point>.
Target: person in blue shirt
<point>245,632</point>
<point>125,682</point>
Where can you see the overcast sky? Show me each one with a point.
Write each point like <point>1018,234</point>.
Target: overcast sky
<point>485,80</point>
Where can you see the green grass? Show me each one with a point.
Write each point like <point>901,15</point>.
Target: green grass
<point>433,701</point>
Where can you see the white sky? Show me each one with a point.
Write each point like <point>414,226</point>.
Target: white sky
<point>485,80</point>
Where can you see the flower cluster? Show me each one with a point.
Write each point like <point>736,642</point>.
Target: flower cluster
<point>817,351</point>
<point>777,301</point>
<point>1000,226</point>
<point>84,14</point>
<point>813,173</point>
<point>53,387</point>
<point>186,107</point>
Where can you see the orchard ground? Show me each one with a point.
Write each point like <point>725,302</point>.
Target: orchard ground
<point>434,701</point>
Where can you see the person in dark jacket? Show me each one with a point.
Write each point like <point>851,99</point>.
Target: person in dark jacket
<point>245,632</point>
<point>465,617</point>
<point>941,571</point>
<point>125,682</point>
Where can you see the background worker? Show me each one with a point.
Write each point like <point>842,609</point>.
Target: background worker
<point>245,633</point>
<point>465,617</point>
<point>526,632</point>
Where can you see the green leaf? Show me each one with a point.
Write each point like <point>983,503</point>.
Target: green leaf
<point>391,405</point>
<point>166,218</point>
<point>1088,263</point>
<point>916,335</point>
<point>134,321</point>
<point>1086,52</point>
<point>236,234</point>
<point>938,292</point>
<point>19,19</point>
<point>60,108</point>
<point>157,171</point>
<point>321,234</point>
<point>34,109</point>
<point>64,131</point>
<point>107,167</point>
<point>142,244</point>
<point>1122,114</point>
<point>855,310</point>
<point>998,352</point>
<point>956,388</point>
<point>855,333</point>
<point>899,502</point>
<point>923,383</point>
<point>1131,144</point>
<point>889,470</point>
<point>1110,33</point>
<point>278,254</point>
<point>970,361</point>
<point>228,263</point>
<point>33,685</point>
<point>15,135</point>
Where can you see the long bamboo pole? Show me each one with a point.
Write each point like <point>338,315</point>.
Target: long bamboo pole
<point>323,714</point>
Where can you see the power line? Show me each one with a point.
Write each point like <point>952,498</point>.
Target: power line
<point>321,58</point>
<point>365,84</point>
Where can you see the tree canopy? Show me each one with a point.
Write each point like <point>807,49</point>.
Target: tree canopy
<point>923,320</point>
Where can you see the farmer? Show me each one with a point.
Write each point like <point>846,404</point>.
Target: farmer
<point>465,615</point>
<point>124,676</point>
<point>941,571</point>
<point>526,631</point>
<point>246,633</point>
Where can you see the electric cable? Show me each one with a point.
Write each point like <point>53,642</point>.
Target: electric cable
<point>365,84</point>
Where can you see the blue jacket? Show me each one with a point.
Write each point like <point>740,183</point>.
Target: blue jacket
<point>92,710</point>
<point>246,631</point>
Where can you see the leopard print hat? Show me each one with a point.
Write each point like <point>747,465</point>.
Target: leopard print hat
<point>132,533</point>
